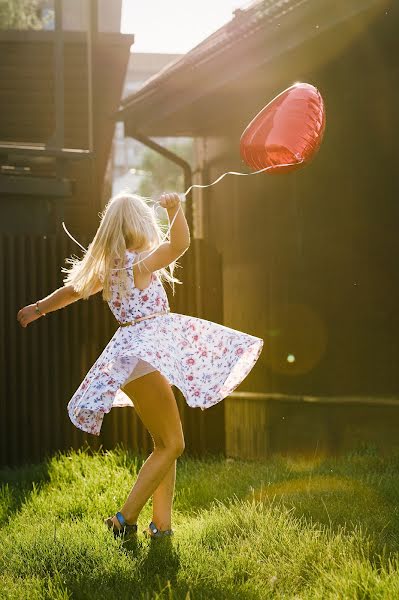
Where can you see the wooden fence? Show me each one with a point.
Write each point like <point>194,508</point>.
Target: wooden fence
<point>43,364</point>
<point>259,425</point>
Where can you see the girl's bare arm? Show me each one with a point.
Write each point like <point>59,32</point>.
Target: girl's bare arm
<point>179,233</point>
<point>58,299</point>
<point>179,236</point>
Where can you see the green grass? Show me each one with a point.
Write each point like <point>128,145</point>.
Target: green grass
<point>274,529</point>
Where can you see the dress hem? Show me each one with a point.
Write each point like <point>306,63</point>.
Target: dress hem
<point>108,393</point>
<point>258,345</point>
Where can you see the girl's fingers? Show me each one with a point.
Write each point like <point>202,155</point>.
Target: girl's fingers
<point>24,318</point>
<point>169,200</point>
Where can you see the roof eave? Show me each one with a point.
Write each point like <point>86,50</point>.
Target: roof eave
<point>164,96</point>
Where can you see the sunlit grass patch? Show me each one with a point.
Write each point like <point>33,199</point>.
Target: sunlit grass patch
<point>243,529</point>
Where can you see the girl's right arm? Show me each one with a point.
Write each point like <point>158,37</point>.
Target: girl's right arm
<point>179,236</point>
<point>58,299</point>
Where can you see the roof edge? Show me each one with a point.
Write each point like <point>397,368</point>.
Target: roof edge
<point>19,36</point>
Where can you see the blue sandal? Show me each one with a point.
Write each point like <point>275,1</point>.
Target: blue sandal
<point>155,532</point>
<point>126,529</point>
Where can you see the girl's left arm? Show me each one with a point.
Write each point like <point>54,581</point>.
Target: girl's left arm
<point>58,299</point>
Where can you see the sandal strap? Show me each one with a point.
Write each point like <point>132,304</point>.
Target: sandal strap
<point>121,519</point>
<point>125,526</point>
<point>159,532</point>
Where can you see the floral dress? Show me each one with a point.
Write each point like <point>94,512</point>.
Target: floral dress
<point>205,360</point>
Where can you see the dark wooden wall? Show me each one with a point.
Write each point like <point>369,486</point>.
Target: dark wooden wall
<point>310,258</point>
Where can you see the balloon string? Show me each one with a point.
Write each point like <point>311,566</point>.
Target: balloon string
<point>139,261</point>
<point>243,174</point>
<point>196,185</point>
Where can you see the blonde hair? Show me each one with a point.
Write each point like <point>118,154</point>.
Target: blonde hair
<point>127,221</point>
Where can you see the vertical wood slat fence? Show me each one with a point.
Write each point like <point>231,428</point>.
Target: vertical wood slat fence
<point>43,364</point>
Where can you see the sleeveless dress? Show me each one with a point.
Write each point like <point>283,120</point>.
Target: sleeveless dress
<point>205,360</point>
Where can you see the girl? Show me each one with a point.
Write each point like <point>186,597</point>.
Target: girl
<point>151,350</point>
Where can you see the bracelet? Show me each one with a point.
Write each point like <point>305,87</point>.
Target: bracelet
<point>38,311</point>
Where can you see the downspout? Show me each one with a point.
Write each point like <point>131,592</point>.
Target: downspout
<point>192,297</point>
<point>188,178</point>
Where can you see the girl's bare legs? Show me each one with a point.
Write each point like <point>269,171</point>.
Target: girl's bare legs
<point>162,498</point>
<point>155,403</point>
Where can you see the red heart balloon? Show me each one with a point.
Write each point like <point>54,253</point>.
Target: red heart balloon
<point>288,131</point>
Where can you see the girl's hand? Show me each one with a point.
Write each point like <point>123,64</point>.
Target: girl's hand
<point>27,314</point>
<point>169,201</point>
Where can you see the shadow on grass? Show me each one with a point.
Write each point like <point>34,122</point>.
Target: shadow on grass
<point>17,485</point>
<point>158,577</point>
<point>160,567</point>
<point>154,574</point>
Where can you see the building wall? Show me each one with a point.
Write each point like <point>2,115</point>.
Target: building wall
<point>28,112</point>
<point>310,258</point>
<point>75,15</point>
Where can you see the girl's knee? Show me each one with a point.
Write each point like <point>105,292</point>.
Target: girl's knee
<point>175,447</point>
<point>179,447</point>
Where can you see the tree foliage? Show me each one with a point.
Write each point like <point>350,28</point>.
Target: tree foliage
<point>20,14</point>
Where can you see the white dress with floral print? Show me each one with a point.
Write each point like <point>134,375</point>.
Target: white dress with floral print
<point>205,360</point>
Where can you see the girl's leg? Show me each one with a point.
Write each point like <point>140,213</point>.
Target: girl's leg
<point>162,498</point>
<point>153,397</point>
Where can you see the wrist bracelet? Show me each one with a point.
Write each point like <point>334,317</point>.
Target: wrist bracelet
<point>38,311</point>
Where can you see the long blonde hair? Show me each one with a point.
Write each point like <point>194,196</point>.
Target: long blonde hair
<point>127,221</point>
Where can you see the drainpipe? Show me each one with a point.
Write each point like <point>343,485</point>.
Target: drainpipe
<point>192,295</point>
<point>188,178</point>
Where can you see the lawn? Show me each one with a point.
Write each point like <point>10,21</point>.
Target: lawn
<point>281,528</point>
